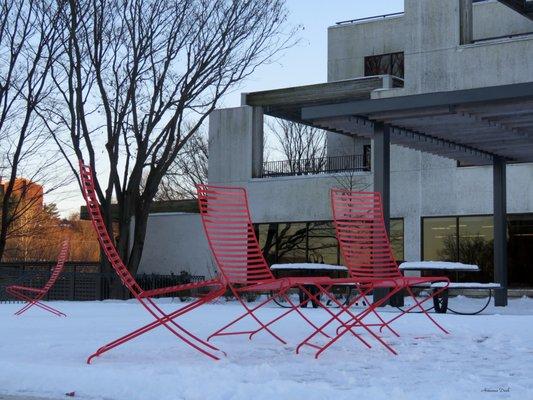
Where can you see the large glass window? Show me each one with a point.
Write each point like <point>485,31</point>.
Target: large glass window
<point>470,240</point>
<point>267,236</point>
<point>316,242</point>
<point>292,242</point>
<point>322,243</point>
<point>519,250</point>
<point>396,238</point>
<point>476,244</point>
<point>439,239</point>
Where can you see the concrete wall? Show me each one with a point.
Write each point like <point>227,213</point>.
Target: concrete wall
<point>176,242</point>
<point>492,18</point>
<point>435,61</point>
<point>349,44</point>
<point>428,34</point>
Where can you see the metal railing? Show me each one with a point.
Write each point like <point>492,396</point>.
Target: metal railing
<point>313,166</point>
<point>383,16</point>
<point>81,280</point>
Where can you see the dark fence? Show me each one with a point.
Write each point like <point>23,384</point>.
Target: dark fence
<point>311,166</point>
<point>81,280</point>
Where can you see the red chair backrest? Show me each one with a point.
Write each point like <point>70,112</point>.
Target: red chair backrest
<point>61,259</point>
<point>231,235</point>
<point>362,236</point>
<point>93,208</point>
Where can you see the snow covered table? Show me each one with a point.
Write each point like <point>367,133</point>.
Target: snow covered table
<point>308,266</point>
<point>310,269</point>
<point>440,303</point>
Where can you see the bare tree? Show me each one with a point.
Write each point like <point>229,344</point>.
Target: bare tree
<point>28,45</point>
<point>33,236</point>
<point>303,146</point>
<point>188,170</point>
<point>139,77</point>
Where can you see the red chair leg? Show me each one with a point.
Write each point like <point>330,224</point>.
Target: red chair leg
<point>383,323</point>
<point>163,321</point>
<point>33,302</point>
<point>419,305</point>
<point>294,307</point>
<point>424,311</point>
<point>192,306</point>
<point>348,327</point>
<point>248,312</point>
<point>334,317</point>
<point>359,322</point>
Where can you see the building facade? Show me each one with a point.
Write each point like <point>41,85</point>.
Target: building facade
<point>439,208</point>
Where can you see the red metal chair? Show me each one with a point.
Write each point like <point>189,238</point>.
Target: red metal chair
<point>367,253</point>
<point>145,296</point>
<point>24,292</point>
<point>231,236</point>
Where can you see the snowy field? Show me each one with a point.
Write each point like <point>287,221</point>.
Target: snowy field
<point>489,356</point>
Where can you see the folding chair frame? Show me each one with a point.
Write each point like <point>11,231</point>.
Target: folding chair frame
<point>390,277</point>
<point>145,297</point>
<point>224,211</point>
<point>250,312</point>
<point>24,292</point>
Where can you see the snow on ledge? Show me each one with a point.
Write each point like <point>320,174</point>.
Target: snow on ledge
<point>467,285</point>
<point>443,265</point>
<point>315,266</point>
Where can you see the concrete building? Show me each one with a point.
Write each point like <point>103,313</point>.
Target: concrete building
<point>448,84</point>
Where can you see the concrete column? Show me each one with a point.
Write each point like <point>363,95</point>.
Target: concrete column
<point>235,145</point>
<point>466,25</point>
<point>381,164</point>
<point>500,231</point>
<point>257,141</point>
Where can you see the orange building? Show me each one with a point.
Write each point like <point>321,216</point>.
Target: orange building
<point>25,190</point>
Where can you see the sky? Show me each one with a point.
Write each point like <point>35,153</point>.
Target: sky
<point>303,64</point>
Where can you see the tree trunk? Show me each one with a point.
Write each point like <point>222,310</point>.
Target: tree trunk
<point>139,235</point>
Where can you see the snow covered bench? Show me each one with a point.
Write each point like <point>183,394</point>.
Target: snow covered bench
<point>441,303</point>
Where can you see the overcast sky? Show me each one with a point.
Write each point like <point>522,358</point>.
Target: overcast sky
<point>303,64</point>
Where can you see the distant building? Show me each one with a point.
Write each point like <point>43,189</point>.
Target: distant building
<point>25,191</point>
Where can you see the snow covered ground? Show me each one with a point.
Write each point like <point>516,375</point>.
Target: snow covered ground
<point>489,356</point>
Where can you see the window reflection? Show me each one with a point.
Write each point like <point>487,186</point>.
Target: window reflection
<point>396,238</point>
<point>440,239</point>
<point>322,243</point>
<point>476,244</point>
<point>267,236</point>
<point>385,64</point>
<point>314,242</point>
<point>292,242</point>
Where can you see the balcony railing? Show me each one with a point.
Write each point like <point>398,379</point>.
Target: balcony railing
<point>374,17</point>
<point>313,166</point>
